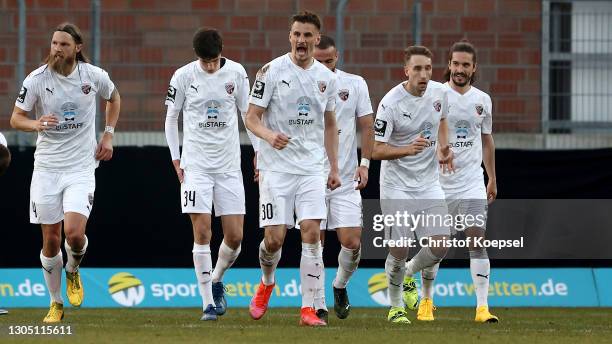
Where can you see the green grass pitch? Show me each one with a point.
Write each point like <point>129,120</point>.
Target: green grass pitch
<point>280,325</point>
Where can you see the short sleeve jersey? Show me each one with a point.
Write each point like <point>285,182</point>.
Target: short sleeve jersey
<point>71,145</point>
<point>352,101</point>
<point>469,116</point>
<point>295,100</point>
<point>401,118</point>
<point>210,104</point>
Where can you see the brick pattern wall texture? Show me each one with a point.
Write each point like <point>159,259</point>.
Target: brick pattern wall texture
<point>144,41</point>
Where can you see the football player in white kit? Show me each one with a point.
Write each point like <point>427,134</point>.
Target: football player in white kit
<point>412,139</point>
<point>63,93</point>
<point>5,161</point>
<point>292,111</point>
<point>210,91</point>
<point>353,107</point>
<point>470,135</point>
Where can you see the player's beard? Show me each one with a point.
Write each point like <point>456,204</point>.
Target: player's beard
<point>62,64</point>
<point>466,79</point>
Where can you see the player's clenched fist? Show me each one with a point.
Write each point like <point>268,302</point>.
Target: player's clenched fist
<point>333,180</point>
<point>278,140</point>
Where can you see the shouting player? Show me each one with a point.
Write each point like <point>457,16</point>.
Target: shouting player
<point>292,111</point>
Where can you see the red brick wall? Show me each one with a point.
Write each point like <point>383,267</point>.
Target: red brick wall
<point>145,41</point>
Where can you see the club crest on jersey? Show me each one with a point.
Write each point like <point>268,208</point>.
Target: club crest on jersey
<point>322,86</point>
<point>69,110</point>
<point>229,87</point>
<point>343,94</point>
<point>262,72</point>
<point>425,130</point>
<point>437,106</point>
<point>461,129</point>
<point>212,109</point>
<point>303,106</point>
<point>86,88</point>
<point>479,109</point>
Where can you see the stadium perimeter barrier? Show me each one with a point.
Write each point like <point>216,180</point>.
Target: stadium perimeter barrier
<point>133,287</point>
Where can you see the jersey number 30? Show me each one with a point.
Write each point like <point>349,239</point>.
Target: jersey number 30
<point>266,211</point>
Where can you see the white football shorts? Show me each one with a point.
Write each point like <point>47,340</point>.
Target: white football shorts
<point>282,194</point>
<point>343,207</point>
<point>52,194</point>
<point>200,191</point>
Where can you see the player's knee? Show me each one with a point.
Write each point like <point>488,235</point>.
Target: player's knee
<point>273,244</point>
<point>233,242</point>
<point>399,252</point>
<point>352,243</point>
<point>75,239</point>
<point>439,252</point>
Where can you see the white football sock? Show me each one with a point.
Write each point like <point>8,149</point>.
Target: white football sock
<point>202,262</point>
<point>268,262</point>
<point>311,272</point>
<point>348,260</point>
<point>396,270</point>
<point>319,300</point>
<point>74,258</point>
<point>428,277</point>
<point>227,257</point>
<point>52,271</point>
<point>480,269</point>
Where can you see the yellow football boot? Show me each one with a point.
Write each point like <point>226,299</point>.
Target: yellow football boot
<point>483,315</point>
<point>426,308</point>
<point>56,313</point>
<point>74,288</point>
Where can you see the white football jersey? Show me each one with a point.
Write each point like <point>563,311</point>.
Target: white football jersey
<point>210,104</point>
<point>295,100</point>
<point>401,118</point>
<point>71,145</point>
<point>352,100</point>
<point>3,140</point>
<point>469,116</point>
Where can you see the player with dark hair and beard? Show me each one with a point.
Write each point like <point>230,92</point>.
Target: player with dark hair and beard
<point>63,93</point>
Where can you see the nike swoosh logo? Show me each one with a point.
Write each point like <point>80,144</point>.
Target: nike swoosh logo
<point>483,276</point>
<point>49,271</point>
<point>393,284</point>
<point>313,276</point>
